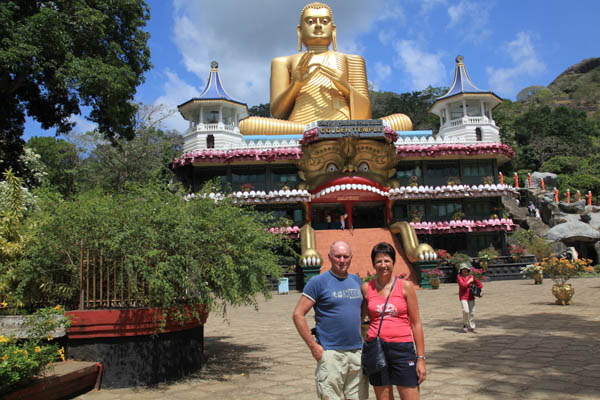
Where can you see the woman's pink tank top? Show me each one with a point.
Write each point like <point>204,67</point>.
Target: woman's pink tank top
<point>396,325</point>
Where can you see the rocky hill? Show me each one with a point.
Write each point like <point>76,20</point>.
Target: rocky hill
<point>578,86</point>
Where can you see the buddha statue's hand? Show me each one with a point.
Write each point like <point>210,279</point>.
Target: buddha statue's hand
<point>310,257</point>
<point>338,79</point>
<point>302,73</point>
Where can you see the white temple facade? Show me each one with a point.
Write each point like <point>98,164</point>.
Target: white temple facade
<point>466,111</point>
<point>213,117</point>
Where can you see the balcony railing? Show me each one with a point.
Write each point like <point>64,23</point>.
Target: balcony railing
<point>218,127</point>
<point>469,121</point>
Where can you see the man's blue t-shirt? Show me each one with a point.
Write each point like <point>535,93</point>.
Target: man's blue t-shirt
<point>337,310</point>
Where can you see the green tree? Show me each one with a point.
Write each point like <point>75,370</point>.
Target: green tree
<point>144,158</point>
<point>61,160</point>
<point>12,213</point>
<point>261,110</point>
<point>58,55</point>
<point>415,104</point>
<point>544,132</point>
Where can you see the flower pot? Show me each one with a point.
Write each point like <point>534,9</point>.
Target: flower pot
<point>516,258</point>
<point>538,278</point>
<point>563,293</point>
<point>484,264</point>
<point>434,282</point>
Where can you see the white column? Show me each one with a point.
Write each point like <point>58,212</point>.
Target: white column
<point>221,113</point>
<point>201,120</point>
<point>447,113</point>
<point>464,104</point>
<point>482,108</point>
<point>491,118</point>
<point>235,119</point>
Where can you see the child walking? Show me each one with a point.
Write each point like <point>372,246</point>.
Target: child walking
<point>467,300</point>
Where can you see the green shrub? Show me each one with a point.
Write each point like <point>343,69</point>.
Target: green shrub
<point>459,258</point>
<point>217,253</point>
<point>532,243</point>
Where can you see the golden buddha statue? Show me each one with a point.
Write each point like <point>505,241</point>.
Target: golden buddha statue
<point>318,84</point>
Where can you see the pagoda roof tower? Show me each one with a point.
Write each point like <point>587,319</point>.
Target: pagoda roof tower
<point>213,116</point>
<point>465,111</point>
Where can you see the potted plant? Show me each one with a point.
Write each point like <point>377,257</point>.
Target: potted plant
<point>434,276</point>
<point>487,180</point>
<point>458,215</point>
<point>486,255</point>
<point>516,251</point>
<point>453,180</point>
<point>561,270</point>
<point>479,274</point>
<point>443,257</point>
<point>414,180</point>
<point>534,271</point>
<point>459,258</point>
<point>246,187</point>
<point>416,215</point>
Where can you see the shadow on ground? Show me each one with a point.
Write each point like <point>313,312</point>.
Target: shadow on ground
<point>528,356</point>
<point>223,358</point>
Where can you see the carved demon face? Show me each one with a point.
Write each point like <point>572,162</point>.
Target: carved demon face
<point>326,161</point>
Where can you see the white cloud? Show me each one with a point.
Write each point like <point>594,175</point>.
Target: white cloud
<point>176,91</point>
<point>382,73</point>
<point>526,64</point>
<point>428,5</point>
<point>386,36</point>
<point>390,10</point>
<point>245,36</point>
<point>82,125</point>
<point>470,20</point>
<point>423,68</point>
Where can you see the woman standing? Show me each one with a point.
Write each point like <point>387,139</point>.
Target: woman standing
<point>467,300</point>
<point>401,329</point>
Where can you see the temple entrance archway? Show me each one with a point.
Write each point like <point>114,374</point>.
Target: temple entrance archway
<point>368,215</point>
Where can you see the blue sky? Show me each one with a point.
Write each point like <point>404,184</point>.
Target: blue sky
<point>507,45</point>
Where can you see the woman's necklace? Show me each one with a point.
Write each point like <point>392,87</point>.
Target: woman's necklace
<point>380,287</point>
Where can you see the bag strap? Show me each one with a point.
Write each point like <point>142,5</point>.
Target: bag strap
<point>385,305</point>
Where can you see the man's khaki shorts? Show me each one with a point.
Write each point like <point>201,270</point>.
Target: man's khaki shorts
<point>339,376</point>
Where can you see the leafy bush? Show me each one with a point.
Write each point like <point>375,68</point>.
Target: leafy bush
<point>479,274</point>
<point>20,361</point>
<point>532,243</point>
<point>460,258</point>
<point>563,269</point>
<point>561,165</point>
<point>216,253</point>
<point>487,254</point>
<point>435,273</point>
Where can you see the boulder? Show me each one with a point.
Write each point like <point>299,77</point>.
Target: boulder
<point>576,207</point>
<point>550,180</point>
<point>572,231</point>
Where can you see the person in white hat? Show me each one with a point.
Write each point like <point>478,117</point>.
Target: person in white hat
<point>467,300</point>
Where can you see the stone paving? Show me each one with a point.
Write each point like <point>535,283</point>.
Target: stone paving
<point>526,347</point>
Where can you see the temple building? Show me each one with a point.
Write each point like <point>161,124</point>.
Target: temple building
<point>445,186</point>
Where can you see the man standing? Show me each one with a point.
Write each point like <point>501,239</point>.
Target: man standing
<point>336,298</point>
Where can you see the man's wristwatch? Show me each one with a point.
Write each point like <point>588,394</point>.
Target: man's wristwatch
<point>422,357</point>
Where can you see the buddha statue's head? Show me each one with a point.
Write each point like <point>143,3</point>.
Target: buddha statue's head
<point>316,28</point>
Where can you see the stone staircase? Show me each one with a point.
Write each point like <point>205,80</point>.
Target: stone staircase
<point>362,241</point>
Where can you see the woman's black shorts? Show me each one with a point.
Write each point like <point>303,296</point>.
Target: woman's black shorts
<point>401,370</point>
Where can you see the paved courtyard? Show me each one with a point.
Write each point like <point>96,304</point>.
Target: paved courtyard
<point>527,348</point>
